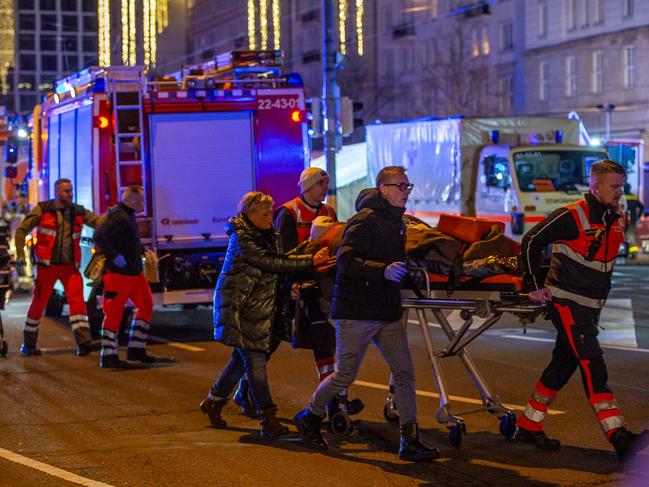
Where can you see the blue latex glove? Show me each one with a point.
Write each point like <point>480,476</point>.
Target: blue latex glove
<point>395,271</point>
<point>120,261</point>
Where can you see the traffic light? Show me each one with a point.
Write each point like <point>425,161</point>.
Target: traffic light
<point>348,108</point>
<point>314,117</point>
<point>11,149</point>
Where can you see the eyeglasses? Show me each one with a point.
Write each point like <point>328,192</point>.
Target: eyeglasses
<point>402,186</point>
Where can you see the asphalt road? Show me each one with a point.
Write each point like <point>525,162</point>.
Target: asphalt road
<point>64,421</point>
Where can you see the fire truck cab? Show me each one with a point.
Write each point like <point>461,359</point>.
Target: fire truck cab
<point>196,141</point>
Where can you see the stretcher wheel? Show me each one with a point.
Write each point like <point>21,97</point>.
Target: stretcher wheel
<point>3,349</point>
<point>508,425</point>
<point>390,413</point>
<point>455,434</point>
<point>340,424</point>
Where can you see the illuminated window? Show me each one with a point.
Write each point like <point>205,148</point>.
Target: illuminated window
<point>544,80</point>
<point>475,44</point>
<point>543,18</point>
<point>571,76</point>
<point>571,17</point>
<point>596,73</point>
<point>486,47</point>
<point>628,58</point>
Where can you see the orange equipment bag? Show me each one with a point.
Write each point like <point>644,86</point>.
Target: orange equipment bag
<point>466,228</point>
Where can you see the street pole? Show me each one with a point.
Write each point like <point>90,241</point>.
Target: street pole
<point>330,95</point>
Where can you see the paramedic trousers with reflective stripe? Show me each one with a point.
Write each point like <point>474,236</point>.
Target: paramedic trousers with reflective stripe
<point>118,290</point>
<point>46,277</point>
<point>576,347</point>
<point>352,339</point>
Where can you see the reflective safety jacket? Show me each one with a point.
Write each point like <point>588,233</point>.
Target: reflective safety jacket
<point>44,218</point>
<point>305,214</point>
<point>585,237</point>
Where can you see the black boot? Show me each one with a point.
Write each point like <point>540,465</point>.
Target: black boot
<point>270,426</point>
<point>537,438</point>
<point>213,407</point>
<point>140,355</point>
<point>242,399</point>
<point>85,343</point>
<point>111,362</point>
<point>29,347</point>
<point>309,425</point>
<point>413,450</point>
<point>84,348</point>
<point>628,444</point>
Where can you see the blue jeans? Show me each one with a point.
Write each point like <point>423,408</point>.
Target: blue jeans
<point>253,365</point>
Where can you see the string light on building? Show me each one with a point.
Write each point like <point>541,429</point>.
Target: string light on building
<point>359,27</point>
<point>277,11</point>
<point>103,41</point>
<point>162,15</point>
<point>124,24</point>
<point>263,23</point>
<point>132,54</point>
<point>146,31</point>
<point>342,24</point>
<point>252,37</point>
<point>153,32</point>
<point>7,35</point>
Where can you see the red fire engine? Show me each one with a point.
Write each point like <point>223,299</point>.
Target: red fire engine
<point>196,141</point>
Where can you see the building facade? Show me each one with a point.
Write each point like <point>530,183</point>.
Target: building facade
<point>590,56</point>
<point>52,39</point>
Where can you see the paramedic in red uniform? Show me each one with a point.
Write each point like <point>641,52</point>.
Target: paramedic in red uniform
<point>585,237</point>
<point>119,239</point>
<point>293,221</point>
<point>58,256</point>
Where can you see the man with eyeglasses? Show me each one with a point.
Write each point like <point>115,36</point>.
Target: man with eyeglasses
<point>367,308</point>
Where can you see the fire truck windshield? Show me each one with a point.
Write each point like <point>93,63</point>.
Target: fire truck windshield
<point>555,170</point>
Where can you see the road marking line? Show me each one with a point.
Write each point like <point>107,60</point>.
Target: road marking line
<point>50,470</point>
<point>435,395</point>
<point>182,346</point>
<point>551,340</point>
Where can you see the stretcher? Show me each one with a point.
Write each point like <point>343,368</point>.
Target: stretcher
<point>487,299</point>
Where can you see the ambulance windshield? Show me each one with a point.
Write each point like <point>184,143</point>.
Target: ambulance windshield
<point>555,170</point>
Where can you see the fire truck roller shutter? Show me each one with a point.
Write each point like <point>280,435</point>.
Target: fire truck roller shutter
<point>202,164</point>
<point>70,152</point>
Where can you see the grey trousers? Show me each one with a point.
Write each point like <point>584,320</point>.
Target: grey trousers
<point>352,339</point>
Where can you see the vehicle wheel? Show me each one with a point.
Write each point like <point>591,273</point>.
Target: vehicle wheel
<point>390,413</point>
<point>455,434</point>
<point>3,349</point>
<point>54,306</point>
<point>339,424</point>
<point>508,425</point>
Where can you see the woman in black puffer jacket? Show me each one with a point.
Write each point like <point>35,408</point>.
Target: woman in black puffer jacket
<point>251,309</point>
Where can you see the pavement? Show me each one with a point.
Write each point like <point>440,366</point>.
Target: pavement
<point>64,421</point>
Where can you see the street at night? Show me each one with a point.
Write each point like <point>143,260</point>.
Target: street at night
<point>142,426</point>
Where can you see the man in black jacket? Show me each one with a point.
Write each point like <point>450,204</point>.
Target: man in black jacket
<point>367,308</point>
<point>119,239</point>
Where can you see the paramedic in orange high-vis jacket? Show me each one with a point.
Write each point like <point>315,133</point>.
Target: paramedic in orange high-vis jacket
<point>585,238</point>
<point>58,257</point>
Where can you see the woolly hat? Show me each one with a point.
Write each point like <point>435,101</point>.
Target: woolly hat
<point>311,176</point>
<point>320,225</point>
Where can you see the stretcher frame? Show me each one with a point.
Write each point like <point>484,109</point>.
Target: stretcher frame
<point>489,305</point>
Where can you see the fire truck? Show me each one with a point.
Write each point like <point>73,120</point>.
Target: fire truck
<point>196,140</point>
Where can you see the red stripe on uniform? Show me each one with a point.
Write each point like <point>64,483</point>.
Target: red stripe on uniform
<point>609,413</point>
<point>544,391</point>
<point>538,406</point>
<point>603,397</point>
<point>526,424</point>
